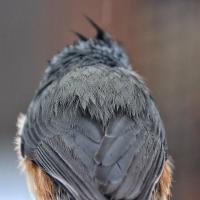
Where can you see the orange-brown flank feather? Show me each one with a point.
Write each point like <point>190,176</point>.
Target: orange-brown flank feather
<point>39,182</point>
<point>163,191</point>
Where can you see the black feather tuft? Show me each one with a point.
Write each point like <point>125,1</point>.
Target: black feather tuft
<point>100,32</point>
<point>80,36</point>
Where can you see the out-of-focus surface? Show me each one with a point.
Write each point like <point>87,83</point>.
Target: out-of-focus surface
<point>161,37</point>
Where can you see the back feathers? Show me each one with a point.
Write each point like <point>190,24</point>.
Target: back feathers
<point>92,125</point>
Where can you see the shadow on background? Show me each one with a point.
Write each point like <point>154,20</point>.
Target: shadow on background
<point>161,37</point>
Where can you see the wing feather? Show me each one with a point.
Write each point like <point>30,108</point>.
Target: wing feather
<point>130,159</point>
<point>63,164</point>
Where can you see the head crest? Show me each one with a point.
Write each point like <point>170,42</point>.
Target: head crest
<point>80,36</point>
<point>100,33</point>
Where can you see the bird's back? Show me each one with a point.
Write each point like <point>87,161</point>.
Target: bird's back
<point>92,126</point>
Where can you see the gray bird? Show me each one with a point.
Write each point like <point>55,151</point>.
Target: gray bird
<point>92,130</point>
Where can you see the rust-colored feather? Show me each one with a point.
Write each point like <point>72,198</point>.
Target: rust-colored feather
<point>39,182</point>
<point>163,191</point>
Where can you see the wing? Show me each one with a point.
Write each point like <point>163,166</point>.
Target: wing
<point>123,161</point>
<point>64,148</point>
<point>65,164</point>
<point>130,158</point>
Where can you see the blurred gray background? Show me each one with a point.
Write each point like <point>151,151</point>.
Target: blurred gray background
<point>163,41</point>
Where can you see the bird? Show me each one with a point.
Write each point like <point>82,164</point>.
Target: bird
<point>92,130</point>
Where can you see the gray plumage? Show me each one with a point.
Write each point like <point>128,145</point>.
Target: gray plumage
<point>93,126</point>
